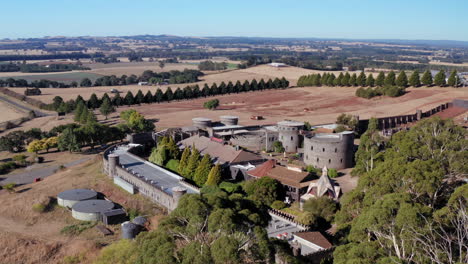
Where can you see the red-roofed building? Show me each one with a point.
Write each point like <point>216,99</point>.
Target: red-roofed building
<point>294,180</point>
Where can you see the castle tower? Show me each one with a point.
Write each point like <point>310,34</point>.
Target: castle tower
<point>289,134</point>
<point>113,162</point>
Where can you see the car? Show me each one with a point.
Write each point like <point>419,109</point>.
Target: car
<point>37,179</point>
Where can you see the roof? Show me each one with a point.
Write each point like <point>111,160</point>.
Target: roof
<point>315,238</point>
<point>77,194</point>
<point>282,174</point>
<point>93,206</point>
<point>290,123</point>
<point>217,150</point>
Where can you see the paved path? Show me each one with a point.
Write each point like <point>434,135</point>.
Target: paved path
<point>22,107</point>
<point>29,176</point>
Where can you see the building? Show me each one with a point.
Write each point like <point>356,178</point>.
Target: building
<point>311,242</point>
<point>324,186</point>
<point>294,180</point>
<point>277,64</point>
<point>137,175</point>
<point>222,153</point>
<point>288,132</point>
<point>333,150</point>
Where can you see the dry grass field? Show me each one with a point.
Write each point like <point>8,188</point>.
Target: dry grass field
<point>317,105</point>
<point>136,68</point>
<point>7,112</point>
<point>263,71</point>
<point>28,236</point>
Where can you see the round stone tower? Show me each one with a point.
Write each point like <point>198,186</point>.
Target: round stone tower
<point>201,122</point>
<point>331,150</point>
<point>288,132</point>
<point>113,162</point>
<point>229,120</point>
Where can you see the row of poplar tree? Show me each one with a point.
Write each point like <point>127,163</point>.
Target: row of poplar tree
<point>382,79</point>
<point>190,164</point>
<point>189,92</point>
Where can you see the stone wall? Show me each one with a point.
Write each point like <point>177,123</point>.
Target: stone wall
<point>396,121</point>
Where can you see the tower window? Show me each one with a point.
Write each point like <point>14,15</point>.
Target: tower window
<point>323,149</point>
<point>336,150</point>
<point>341,160</point>
<point>292,138</point>
<point>317,159</point>
<point>329,161</point>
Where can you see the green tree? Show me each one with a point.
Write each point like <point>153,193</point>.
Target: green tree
<point>439,78</point>
<point>158,96</point>
<point>202,171</point>
<point>214,177</point>
<point>68,140</point>
<point>322,210</point>
<point>369,148</point>
<point>86,83</point>
<point>402,80</point>
<point>361,79</point>
<point>139,97</point>
<point>192,164</point>
<point>346,79</point>
<point>427,78</point>
<point>159,155</point>
<point>93,102</point>
<point>453,79</point>
<point>370,80</point>
<point>414,79</point>
<point>390,79</point>
<point>264,190</point>
<point>148,97</point>
<point>353,80</point>
<point>78,111</point>
<point>184,161</point>
<point>129,98</point>
<point>380,81</point>
<point>106,108</point>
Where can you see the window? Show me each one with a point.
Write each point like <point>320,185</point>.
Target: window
<point>341,160</point>
<point>292,138</point>
<point>329,161</point>
<point>323,149</point>
<point>317,159</point>
<point>312,148</point>
<point>336,149</point>
<point>307,157</point>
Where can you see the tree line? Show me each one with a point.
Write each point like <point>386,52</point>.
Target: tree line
<point>190,164</point>
<point>172,77</point>
<point>187,93</point>
<point>382,79</point>
<point>212,66</point>
<point>410,203</point>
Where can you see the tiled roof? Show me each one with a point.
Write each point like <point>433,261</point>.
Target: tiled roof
<point>217,150</point>
<point>316,238</point>
<point>282,174</point>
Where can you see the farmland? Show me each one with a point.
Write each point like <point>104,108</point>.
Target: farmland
<point>66,77</point>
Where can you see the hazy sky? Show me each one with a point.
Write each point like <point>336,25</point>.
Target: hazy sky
<point>396,19</point>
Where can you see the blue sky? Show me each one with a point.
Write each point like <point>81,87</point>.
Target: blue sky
<point>380,19</point>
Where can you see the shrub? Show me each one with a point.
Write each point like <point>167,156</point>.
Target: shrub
<point>278,146</point>
<point>172,165</point>
<point>312,170</point>
<point>6,167</point>
<point>230,187</point>
<point>212,104</point>
<point>332,173</point>
<point>40,208</point>
<point>10,187</point>
<point>20,159</point>
<point>74,230</point>
<point>278,205</point>
<point>132,213</point>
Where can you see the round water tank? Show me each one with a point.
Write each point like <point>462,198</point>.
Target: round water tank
<point>139,220</point>
<point>229,120</point>
<point>90,210</point>
<point>201,122</point>
<point>69,198</point>
<point>129,230</point>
